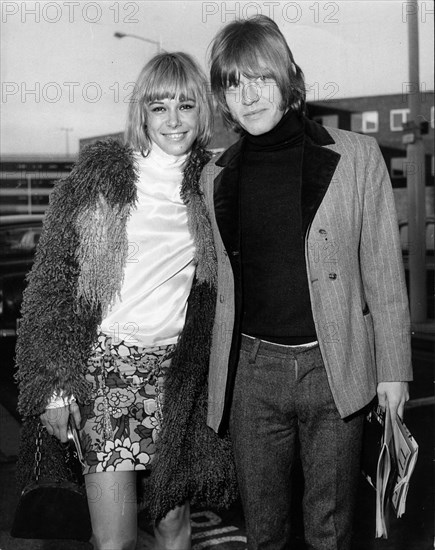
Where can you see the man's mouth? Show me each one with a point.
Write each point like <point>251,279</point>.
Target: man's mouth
<point>253,113</point>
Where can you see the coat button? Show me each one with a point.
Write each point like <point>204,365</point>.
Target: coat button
<point>221,298</point>
<point>322,231</point>
<point>333,276</point>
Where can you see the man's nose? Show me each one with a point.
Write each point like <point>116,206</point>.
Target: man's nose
<point>251,93</point>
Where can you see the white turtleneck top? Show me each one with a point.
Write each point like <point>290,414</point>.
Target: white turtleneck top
<point>159,271</point>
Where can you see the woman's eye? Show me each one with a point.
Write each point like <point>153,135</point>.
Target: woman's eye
<point>157,109</point>
<point>187,107</point>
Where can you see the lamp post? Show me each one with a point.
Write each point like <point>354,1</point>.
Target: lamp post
<point>415,179</point>
<point>67,130</point>
<point>123,35</point>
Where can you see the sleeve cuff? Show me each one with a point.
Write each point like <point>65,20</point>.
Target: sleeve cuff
<point>58,400</point>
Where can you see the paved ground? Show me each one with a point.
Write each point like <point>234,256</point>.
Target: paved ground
<point>225,530</point>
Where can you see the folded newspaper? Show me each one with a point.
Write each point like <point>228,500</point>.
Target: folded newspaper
<point>389,456</point>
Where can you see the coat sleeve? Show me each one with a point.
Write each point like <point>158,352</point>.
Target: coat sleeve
<point>50,352</point>
<point>57,329</point>
<point>382,272</point>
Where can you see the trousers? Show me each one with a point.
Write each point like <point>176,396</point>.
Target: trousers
<point>283,411</point>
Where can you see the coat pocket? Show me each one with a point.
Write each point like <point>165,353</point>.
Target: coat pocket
<point>370,333</point>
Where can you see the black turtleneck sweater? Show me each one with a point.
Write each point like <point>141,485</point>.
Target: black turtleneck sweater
<point>276,301</point>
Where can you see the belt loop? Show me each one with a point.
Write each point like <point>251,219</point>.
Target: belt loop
<point>254,350</point>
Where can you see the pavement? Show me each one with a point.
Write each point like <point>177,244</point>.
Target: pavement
<point>224,530</point>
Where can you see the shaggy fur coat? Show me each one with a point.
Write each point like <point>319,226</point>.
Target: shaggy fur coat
<point>77,273</point>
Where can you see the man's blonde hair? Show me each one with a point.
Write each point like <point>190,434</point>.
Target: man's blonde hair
<point>255,48</point>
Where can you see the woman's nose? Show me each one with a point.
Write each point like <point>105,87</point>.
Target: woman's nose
<point>173,119</point>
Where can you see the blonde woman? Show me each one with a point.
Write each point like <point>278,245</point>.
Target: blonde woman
<point>126,244</point>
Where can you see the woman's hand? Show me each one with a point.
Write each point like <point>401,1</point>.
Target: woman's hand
<point>56,420</point>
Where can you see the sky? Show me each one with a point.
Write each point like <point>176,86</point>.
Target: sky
<point>64,75</point>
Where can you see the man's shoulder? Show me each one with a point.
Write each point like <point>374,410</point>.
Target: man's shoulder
<point>226,156</point>
<point>348,138</point>
<point>214,165</point>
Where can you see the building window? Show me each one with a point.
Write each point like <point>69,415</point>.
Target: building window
<point>397,168</point>
<point>366,122</point>
<point>398,117</point>
<point>327,120</point>
<point>356,122</point>
<point>370,121</point>
<point>398,171</point>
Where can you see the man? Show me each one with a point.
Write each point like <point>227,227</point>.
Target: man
<point>312,316</point>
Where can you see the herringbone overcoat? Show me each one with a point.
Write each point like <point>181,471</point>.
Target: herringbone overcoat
<point>354,268</point>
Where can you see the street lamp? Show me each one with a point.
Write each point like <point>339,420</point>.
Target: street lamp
<point>415,178</point>
<point>123,35</point>
<point>67,130</point>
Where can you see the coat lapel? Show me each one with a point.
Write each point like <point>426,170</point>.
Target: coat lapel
<point>318,166</point>
<point>226,199</point>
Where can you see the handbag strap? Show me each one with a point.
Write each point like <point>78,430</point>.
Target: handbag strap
<point>38,455</point>
<point>70,456</point>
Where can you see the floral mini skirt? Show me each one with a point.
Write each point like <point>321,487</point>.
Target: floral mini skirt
<point>121,422</point>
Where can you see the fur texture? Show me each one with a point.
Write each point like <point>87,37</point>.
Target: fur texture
<point>78,271</point>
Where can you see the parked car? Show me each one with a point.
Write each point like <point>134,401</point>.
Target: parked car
<point>429,261</point>
<point>19,235</point>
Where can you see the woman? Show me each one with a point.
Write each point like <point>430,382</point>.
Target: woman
<point>126,243</point>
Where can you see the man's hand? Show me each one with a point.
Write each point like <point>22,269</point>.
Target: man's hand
<point>393,395</point>
<point>56,420</point>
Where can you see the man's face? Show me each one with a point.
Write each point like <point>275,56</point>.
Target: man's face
<point>255,104</point>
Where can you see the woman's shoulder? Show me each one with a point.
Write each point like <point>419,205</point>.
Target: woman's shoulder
<point>107,167</point>
<point>105,154</point>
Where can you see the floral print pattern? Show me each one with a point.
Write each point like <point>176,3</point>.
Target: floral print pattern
<point>121,422</point>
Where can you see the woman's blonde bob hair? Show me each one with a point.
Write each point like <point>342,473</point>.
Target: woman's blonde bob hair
<point>168,76</point>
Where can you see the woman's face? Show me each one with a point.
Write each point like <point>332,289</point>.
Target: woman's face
<point>173,124</point>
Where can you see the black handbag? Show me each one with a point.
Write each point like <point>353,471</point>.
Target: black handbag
<point>54,509</point>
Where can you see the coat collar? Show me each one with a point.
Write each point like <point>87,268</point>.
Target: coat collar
<point>315,133</point>
<point>318,166</point>
<point>101,222</point>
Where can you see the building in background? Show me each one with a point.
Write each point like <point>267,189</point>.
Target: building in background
<point>383,118</point>
<point>26,181</point>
